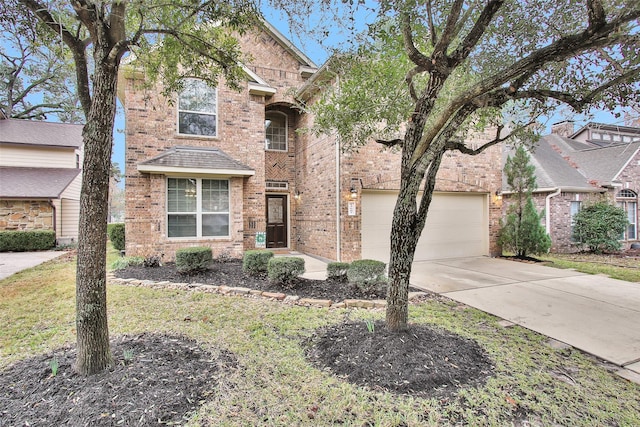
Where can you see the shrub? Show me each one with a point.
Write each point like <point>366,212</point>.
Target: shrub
<point>256,262</point>
<point>115,231</point>
<point>189,260</point>
<point>599,226</point>
<point>21,241</point>
<point>126,261</point>
<point>152,261</point>
<point>367,274</point>
<point>337,271</point>
<point>285,270</point>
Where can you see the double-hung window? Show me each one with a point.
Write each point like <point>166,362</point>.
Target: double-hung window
<point>575,208</point>
<point>628,200</point>
<point>197,207</point>
<point>198,109</point>
<point>275,126</point>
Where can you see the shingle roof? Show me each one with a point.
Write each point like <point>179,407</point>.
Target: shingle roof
<point>565,163</point>
<point>204,160</point>
<point>33,132</point>
<point>49,183</point>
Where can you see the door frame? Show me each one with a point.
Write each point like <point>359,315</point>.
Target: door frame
<point>287,217</point>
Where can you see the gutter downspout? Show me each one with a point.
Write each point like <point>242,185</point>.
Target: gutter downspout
<point>547,209</point>
<point>55,213</point>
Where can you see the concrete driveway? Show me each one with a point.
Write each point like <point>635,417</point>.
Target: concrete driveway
<point>12,262</point>
<point>596,314</point>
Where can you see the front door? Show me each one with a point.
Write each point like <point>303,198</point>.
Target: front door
<point>277,221</point>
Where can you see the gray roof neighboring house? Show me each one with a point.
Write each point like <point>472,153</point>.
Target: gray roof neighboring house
<point>33,132</point>
<point>202,160</point>
<point>34,183</point>
<point>605,163</point>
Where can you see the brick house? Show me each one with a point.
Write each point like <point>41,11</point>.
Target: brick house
<point>40,177</point>
<point>229,170</point>
<point>576,167</point>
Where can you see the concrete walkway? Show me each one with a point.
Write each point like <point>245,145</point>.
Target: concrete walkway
<point>596,314</point>
<point>13,262</point>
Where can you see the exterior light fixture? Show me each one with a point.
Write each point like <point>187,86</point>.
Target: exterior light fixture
<point>354,192</point>
<point>297,195</point>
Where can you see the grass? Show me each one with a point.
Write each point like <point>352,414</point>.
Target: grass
<point>618,268</point>
<point>277,386</point>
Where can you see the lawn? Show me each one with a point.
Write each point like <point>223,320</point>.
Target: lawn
<point>274,383</point>
<point>623,266</point>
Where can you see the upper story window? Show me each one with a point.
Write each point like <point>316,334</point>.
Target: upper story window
<point>198,109</point>
<point>275,125</point>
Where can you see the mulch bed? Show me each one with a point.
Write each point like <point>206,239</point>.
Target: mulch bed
<point>422,361</point>
<point>230,273</point>
<point>161,379</point>
<point>155,380</point>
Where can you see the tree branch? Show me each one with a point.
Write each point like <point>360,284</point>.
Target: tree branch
<point>596,15</point>
<point>476,32</point>
<point>440,49</point>
<point>409,46</point>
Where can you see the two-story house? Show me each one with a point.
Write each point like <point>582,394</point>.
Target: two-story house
<point>40,177</point>
<point>576,167</point>
<point>229,170</point>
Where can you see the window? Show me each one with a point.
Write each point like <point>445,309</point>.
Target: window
<point>275,126</point>
<point>628,200</point>
<point>197,109</point>
<point>197,207</point>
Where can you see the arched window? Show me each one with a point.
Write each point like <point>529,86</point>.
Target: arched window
<point>628,200</point>
<point>275,127</point>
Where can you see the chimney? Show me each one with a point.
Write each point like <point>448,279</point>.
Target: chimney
<point>563,128</point>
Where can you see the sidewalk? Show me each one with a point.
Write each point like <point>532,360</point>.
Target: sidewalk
<point>13,262</point>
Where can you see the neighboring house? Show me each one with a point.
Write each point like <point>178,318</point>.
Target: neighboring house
<point>229,170</point>
<point>40,177</point>
<point>575,167</point>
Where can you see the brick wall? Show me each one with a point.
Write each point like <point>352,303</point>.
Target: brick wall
<point>25,215</point>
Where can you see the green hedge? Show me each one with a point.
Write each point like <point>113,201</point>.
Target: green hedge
<point>337,271</point>
<point>21,241</point>
<point>367,274</point>
<point>189,260</point>
<point>256,262</point>
<point>115,231</point>
<point>285,270</point>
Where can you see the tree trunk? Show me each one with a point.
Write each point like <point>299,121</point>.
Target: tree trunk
<point>404,238</point>
<point>94,354</point>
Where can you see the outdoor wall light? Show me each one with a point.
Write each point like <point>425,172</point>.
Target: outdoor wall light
<point>297,195</point>
<point>354,192</point>
<point>498,194</point>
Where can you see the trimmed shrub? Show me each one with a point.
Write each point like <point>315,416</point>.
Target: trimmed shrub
<point>337,271</point>
<point>21,241</point>
<point>367,274</point>
<point>600,226</point>
<point>285,270</point>
<point>256,262</point>
<point>115,231</point>
<point>126,261</point>
<point>190,260</point>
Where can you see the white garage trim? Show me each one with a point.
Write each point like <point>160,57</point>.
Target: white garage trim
<point>457,226</point>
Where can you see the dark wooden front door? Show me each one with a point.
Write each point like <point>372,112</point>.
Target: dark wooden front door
<point>277,221</point>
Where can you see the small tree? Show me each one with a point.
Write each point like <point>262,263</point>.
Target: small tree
<point>522,232</point>
<point>599,226</point>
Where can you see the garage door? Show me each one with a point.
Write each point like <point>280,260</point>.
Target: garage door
<point>457,226</point>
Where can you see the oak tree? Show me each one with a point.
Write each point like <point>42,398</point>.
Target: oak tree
<point>429,71</point>
<point>169,40</point>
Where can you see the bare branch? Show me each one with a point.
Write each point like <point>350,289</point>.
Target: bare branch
<point>596,14</point>
<point>432,28</point>
<point>409,46</point>
<point>476,32</point>
<point>440,50</point>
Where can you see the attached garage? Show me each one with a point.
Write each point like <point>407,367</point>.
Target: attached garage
<point>457,226</point>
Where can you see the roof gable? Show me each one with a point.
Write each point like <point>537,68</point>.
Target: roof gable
<point>32,132</point>
<point>35,183</point>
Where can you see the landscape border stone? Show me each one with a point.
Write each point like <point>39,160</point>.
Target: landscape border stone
<point>254,293</point>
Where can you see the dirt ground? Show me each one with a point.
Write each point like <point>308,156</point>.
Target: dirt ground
<point>159,379</point>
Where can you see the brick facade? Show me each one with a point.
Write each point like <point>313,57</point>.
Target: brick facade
<point>318,176</point>
<point>25,215</point>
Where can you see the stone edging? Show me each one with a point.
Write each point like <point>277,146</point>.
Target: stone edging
<point>246,292</point>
